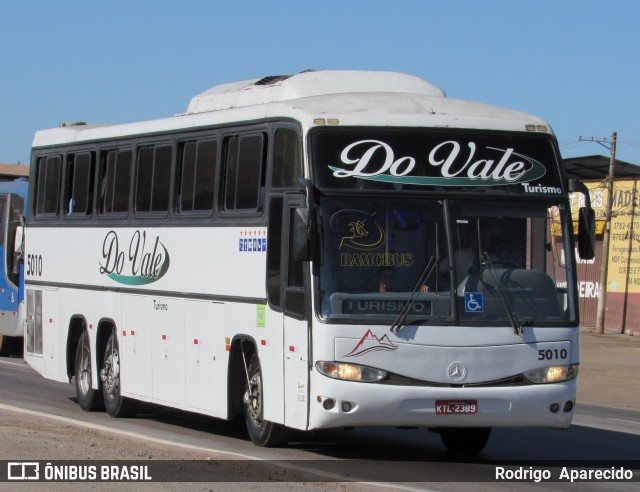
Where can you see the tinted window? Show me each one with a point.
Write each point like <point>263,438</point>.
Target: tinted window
<point>231,174</point>
<point>244,176</point>
<point>79,181</point>
<point>198,165</point>
<point>145,178</point>
<point>115,181</point>
<point>161,179</point>
<point>274,251</point>
<point>295,270</point>
<point>48,185</point>
<point>3,205</point>
<point>153,180</point>
<point>287,159</point>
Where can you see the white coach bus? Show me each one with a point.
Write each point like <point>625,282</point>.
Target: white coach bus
<point>328,249</point>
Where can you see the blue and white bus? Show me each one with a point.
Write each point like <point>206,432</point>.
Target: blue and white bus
<point>328,249</point>
<point>13,207</point>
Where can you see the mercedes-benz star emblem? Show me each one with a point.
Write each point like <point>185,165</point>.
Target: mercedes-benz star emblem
<point>457,372</point>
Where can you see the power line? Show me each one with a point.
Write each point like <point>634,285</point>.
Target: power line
<point>629,142</point>
<point>580,140</point>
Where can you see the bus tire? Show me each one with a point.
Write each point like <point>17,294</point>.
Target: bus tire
<point>117,405</point>
<point>261,432</point>
<point>470,440</point>
<point>10,346</point>
<point>5,346</point>
<point>89,399</point>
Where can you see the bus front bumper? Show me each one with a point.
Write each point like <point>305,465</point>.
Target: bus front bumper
<point>337,403</point>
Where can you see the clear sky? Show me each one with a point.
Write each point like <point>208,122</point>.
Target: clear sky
<point>574,63</point>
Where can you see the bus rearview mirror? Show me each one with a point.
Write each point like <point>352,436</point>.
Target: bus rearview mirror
<point>19,239</point>
<point>586,233</point>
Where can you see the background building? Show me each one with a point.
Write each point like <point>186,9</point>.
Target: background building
<point>622,313</point>
<point>13,171</point>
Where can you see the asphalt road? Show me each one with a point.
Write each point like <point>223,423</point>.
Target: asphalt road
<point>382,457</point>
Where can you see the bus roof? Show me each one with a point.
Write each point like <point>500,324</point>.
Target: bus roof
<point>308,84</point>
<point>345,98</point>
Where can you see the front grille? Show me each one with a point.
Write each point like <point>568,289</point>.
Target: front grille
<point>397,380</point>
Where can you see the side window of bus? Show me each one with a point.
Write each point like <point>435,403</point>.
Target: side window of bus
<point>115,181</point>
<point>153,179</point>
<point>287,159</point>
<point>79,197</point>
<point>244,172</point>
<point>197,176</point>
<point>3,206</point>
<point>295,303</point>
<point>274,252</point>
<point>48,185</point>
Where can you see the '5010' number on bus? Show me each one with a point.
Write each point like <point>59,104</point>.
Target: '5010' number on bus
<point>34,265</point>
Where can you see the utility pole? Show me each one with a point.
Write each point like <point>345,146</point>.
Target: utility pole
<point>604,263</point>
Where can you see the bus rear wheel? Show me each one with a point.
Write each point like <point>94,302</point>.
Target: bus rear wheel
<point>117,405</point>
<point>261,431</point>
<point>89,399</point>
<point>470,440</point>
<point>10,346</point>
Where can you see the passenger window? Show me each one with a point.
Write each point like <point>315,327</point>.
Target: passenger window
<point>244,172</point>
<point>287,159</point>
<point>48,185</point>
<point>197,176</point>
<point>115,179</point>
<point>79,184</point>
<point>154,178</point>
<point>3,204</point>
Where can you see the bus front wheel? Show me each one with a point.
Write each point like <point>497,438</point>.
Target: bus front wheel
<point>117,405</point>
<point>10,346</point>
<point>261,431</point>
<point>89,399</point>
<point>470,440</point>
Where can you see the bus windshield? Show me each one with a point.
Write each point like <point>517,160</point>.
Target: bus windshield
<point>455,261</point>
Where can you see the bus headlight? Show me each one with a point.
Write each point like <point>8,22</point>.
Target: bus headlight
<point>350,372</point>
<point>553,374</point>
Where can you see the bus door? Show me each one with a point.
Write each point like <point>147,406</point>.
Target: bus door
<point>5,305</point>
<point>10,265</point>
<point>286,285</point>
<point>11,208</point>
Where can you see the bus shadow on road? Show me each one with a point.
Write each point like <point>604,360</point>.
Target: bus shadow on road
<point>347,452</point>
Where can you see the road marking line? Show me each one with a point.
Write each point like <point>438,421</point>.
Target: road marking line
<point>164,442</point>
<point>103,428</point>
<point>627,421</point>
<point>606,423</point>
<point>19,363</point>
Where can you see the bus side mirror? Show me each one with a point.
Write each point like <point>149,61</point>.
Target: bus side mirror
<point>586,222</point>
<point>586,233</point>
<point>301,240</point>
<point>18,241</point>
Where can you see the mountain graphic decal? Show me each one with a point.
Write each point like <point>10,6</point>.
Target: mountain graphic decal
<point>371,343</point>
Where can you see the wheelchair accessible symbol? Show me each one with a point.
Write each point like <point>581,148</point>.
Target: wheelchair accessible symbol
<point>473,302</point>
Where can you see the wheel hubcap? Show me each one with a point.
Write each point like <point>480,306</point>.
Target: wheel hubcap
<point>110,373</point>
<point>85,372</point>
<point>253,399</point>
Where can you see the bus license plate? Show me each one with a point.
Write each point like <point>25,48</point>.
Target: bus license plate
<point>456,407</point>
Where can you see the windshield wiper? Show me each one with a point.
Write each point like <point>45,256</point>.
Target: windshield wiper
<point>424,276</point>
<point>513,318</point>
